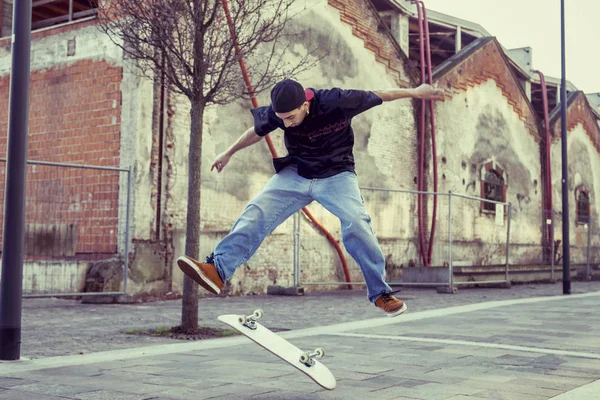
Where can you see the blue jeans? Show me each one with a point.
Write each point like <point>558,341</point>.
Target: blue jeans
<point>286,193</point>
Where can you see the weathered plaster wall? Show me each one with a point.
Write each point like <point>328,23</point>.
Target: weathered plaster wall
<point>584,170</point>
<point>476,126</point>
<point>384,153</point>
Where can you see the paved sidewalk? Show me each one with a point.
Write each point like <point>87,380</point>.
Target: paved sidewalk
<point>55,327</point>
<point>509,345</point>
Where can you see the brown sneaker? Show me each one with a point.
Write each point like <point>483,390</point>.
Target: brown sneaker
<point>204,274</point>
<point>390,305</point>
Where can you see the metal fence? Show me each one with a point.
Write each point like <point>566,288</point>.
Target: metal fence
<point>545,252</point>
<point>468,231</point>
<point>584,244</point>
<point>76,219</point>
<point>481,239</point>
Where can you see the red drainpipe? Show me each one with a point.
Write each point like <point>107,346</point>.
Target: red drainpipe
<point>433,141</point>
<point>240,56</point>
<point>548,165</point>
<point>421,160</point>
<point>423,24</point>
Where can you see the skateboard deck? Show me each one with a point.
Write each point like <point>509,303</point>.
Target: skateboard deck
<point>301,360</point>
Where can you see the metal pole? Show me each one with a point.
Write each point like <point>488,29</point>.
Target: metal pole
<point>297,222</point>
<point>299,253</point>
<point>508,241</point>
<point>553,248</point>
<point>450,269</point>
<point>127,212</point>
<point>295,250</point>
<point>589,243</point>
<point>11,289</point>
<point>565,165</point>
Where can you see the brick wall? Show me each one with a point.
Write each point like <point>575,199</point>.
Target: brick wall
<point>489,63</point>
<point>579,112</point>
<point>367,25</point>
<point>74,118</point>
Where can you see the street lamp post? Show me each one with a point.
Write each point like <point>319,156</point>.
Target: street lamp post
<point>11,289</point>
<point>565,165</point>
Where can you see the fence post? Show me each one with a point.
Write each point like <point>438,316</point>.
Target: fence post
<point>589,238</point>
<point>508,242</point>
<point>127,212</point>
<point>553,248</point>
<point>296,234</point>
<point>450,269</point>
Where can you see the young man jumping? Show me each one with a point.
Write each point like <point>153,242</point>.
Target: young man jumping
<point>319,167</point>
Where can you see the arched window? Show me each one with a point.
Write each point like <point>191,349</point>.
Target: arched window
<point>582,197</point>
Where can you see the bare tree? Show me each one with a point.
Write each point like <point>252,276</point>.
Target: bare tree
<point>194,46</point>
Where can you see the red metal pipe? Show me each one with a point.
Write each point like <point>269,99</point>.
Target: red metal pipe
<point>421,160</point>
<point>433,140</point>
<point>548,165</point>
<point>240,57</point>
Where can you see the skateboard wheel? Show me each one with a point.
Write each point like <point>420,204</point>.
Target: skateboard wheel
<point>304,358</point>
<point>242,320</point>
<point>258,313</point>
<point>319,352</point>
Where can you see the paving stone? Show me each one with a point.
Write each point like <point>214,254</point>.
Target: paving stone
<point>18,395</point>
<point>51,389</point>
<point>112,395</point>
<point>213,392</point>
<point>10,382</point>
<point>285,395</point>
<point>503,395</point>
<point>431,391</point>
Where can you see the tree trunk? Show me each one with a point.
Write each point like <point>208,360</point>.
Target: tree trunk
<point>189,309</point>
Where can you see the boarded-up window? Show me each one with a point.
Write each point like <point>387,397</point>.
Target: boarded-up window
<point>493,189</point>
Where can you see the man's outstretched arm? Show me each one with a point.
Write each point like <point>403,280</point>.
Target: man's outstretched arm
<point>248,138</point>
<point>423,92</point>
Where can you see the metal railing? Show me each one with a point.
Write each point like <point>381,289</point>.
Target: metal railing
<point>395,223</point>
<point>76,217</point>
<point>584,247</point>
<point>498,237</point>
<point>477,241</point>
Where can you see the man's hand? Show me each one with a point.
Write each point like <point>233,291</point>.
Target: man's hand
<point>221,161</point>
<point>427,92</point>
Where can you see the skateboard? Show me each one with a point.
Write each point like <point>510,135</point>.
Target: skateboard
<point>304,361</point>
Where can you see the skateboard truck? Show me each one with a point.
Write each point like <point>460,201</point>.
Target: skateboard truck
<point>250,320</point>
<point>308,358</point>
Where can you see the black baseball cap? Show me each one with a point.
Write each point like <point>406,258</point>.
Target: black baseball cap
<point>288,95</point>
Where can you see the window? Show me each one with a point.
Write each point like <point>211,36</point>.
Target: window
<point>493,186</point>
<point>387,19</point>
<point>583,205</point>
<point>54,12</point>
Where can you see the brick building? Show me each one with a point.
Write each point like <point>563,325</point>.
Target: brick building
<point>89,106</point>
